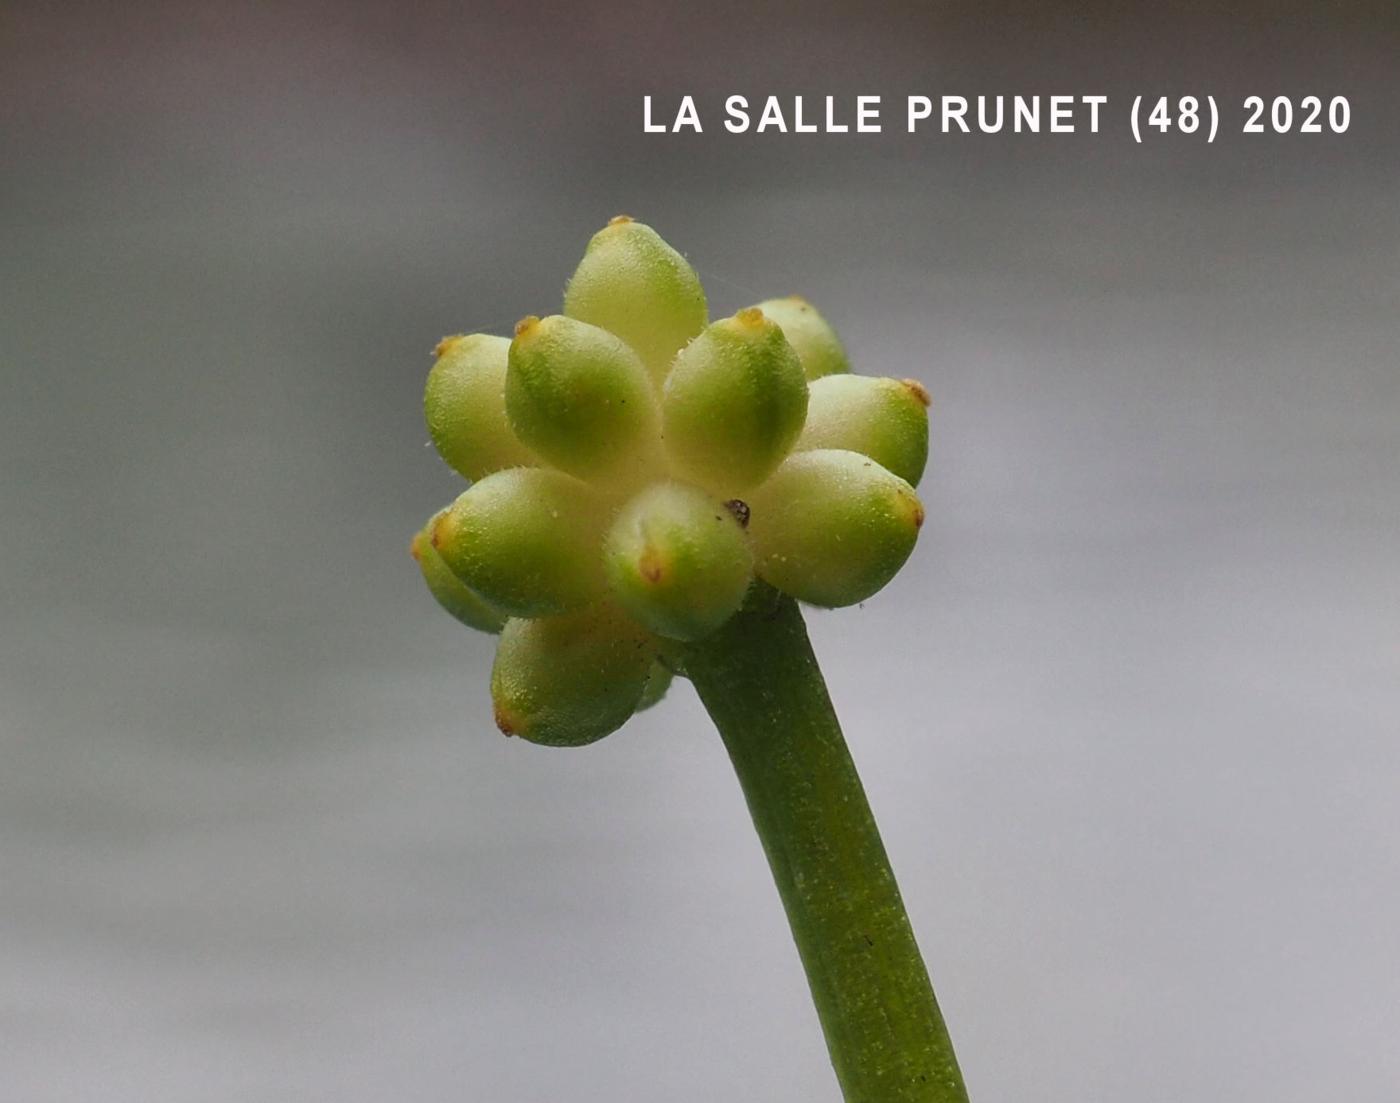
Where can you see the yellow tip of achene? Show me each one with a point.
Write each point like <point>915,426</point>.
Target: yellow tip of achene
<point>442,347</point>
<point>650,565</point>
<point>508,724</point>
<point>415,547</point>
<point>526,324</point>
<point>918,390</point>
<point>620,220</point>
<point>800,301</point>
<point>750,316</point>
<point>436,535</point>
<point>909,507</point>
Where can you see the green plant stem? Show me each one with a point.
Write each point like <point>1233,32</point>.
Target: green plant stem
<point>760,682</point>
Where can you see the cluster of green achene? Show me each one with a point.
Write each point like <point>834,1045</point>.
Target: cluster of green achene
<point>634,467</point>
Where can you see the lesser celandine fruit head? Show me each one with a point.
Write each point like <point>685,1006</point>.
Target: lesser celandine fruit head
<point>637,467</point>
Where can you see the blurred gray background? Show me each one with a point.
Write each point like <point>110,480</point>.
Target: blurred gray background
<point>1129,719</point>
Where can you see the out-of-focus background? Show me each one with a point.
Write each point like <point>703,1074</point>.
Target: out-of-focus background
<point>1130,718</point>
